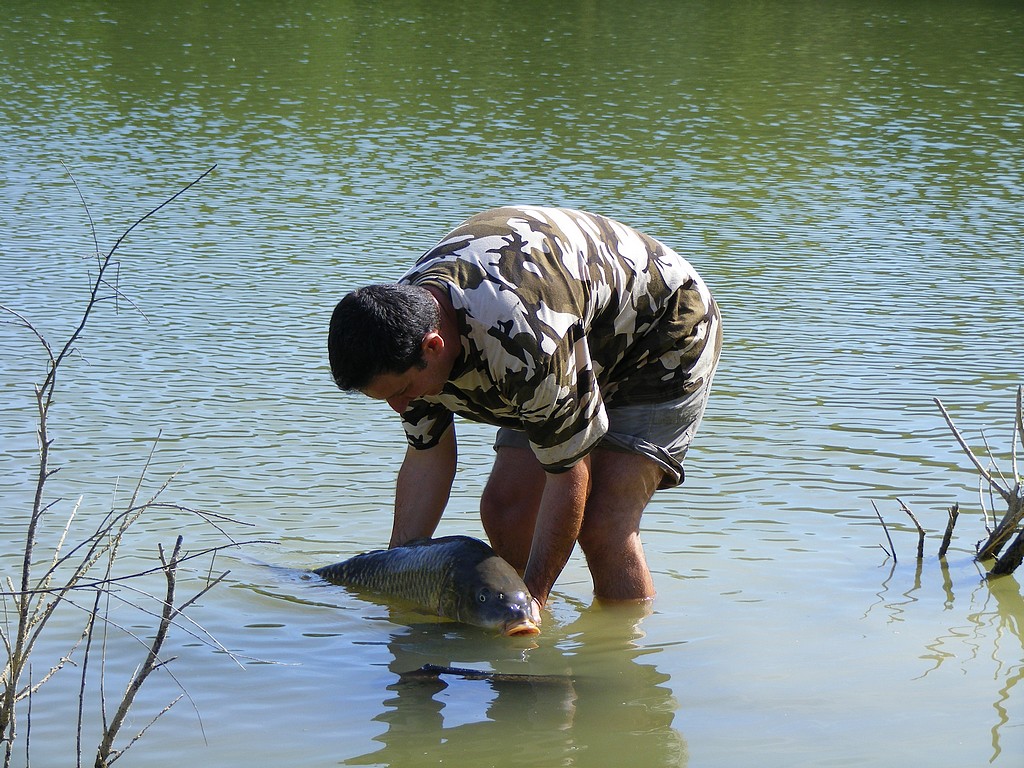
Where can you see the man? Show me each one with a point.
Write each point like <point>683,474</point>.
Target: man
<point>590,345</point>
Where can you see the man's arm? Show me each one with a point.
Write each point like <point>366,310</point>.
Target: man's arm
<point>423,487</point>
<point>558,525</point>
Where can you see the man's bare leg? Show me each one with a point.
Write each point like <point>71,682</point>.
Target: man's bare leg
<point>509,504</point>
<point>621,486</point>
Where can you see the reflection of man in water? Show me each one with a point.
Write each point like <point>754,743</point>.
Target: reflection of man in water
<point>590,345</point>
<point>611,710</point>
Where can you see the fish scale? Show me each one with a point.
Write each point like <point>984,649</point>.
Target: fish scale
<point>415,573</point>
<point>457,577</point>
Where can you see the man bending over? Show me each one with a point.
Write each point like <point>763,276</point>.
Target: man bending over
<point>590,345</point>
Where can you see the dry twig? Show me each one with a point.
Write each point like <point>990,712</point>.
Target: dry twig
<point>954,512</point>
<point>32,600</point>
<point>1010,489</point>
<point>891,551</point>
<point>920,530</point>
<point>1011,522</point>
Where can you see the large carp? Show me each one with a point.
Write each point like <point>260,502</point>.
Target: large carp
<point>454,576</point>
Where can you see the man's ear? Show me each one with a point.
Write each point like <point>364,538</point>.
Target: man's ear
<point>433,342</point>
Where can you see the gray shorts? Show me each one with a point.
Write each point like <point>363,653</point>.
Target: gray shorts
<point>660,431</point>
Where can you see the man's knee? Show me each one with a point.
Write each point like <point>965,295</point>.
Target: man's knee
<point>605,539</point>
<point>616,559</point>
<point>495,502</point>
<point>509,504</point>
<point>514,485</point>
<point>623,486</point>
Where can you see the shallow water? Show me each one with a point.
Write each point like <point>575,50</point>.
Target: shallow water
<point>847,178</point>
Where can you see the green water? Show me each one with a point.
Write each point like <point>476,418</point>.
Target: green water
<point>846,176</point>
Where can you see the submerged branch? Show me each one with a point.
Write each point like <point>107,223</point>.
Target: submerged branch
<point>1004,492</point>
<point>105,754</point>
<point>920,530</point>
<point>1018,433</point>
<point>892,550</point>
<point>1011,559</point>
<point>32,596</point>
<point>1010,524</point>
<point>954,513</point>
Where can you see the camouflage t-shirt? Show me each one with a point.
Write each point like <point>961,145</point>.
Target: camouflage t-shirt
<point>562,315</point>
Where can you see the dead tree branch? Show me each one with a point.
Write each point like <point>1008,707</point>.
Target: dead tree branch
<point>31,599</point>
<point>1010,524</point>
<point>1010,489</point>
<point>106,754</point>
<point>891,551</point>
<point>947,537</point>
<point>993,483</point>
<point>920,530</point>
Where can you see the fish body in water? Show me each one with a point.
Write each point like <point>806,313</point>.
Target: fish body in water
<point>459,577</point>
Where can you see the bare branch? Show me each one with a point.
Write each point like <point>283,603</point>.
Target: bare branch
<point>1011,558</point>
<point>885,528</point>
<point>104,753</point>
<point>117,754</point>
<point>954,512</point>
<point>85,207</point>
<point>992,460</point>
<point>27,325</point>
<point>970,454</point>
<point>106,582</point>
<point>1018,432</point>
<point>920,530</point>
<point>29,605</point>
<point>104,264</point>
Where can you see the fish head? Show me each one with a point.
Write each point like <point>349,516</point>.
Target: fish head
<point>509,612</point>
<point>492,595</point>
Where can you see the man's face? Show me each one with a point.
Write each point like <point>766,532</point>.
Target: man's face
<point>400,389</point>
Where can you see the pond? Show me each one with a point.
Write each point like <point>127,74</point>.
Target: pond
<point>847,177</point>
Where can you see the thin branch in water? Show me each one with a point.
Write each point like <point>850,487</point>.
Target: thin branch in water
<point>992,459</point>
<point>892,550</point>
<point>970,454</point>
<point>954,513</point>
<point>199,633</point>
<point>920,530</point>
<point>85,207</point>
<point>988,517</point>
<point>90,626</point>
<point>63,661</point>
<point>145,728</point>
<point>105,754</point>
<point>98,583</point>
<point>28,717</point>
<point>31,606</point>
<point>145,469</point>
<point>1011,558</point>
<point>1018,432</point>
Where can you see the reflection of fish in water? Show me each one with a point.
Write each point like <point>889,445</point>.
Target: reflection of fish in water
<point>455,576</point>
<point>430,672</point>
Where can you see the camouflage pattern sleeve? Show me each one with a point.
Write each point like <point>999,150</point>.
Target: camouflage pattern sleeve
<point>562,314</point>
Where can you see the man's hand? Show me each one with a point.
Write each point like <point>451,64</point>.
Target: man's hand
<point>535,607</point>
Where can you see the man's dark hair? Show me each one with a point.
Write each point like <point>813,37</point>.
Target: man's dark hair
<point>379,329</point>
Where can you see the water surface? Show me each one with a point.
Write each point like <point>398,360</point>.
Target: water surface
<point>846,177</point>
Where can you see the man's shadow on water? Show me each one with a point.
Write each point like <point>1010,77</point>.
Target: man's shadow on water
<point>580,697</point>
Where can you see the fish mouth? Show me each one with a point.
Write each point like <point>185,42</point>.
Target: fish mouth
<point>521,628</point>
